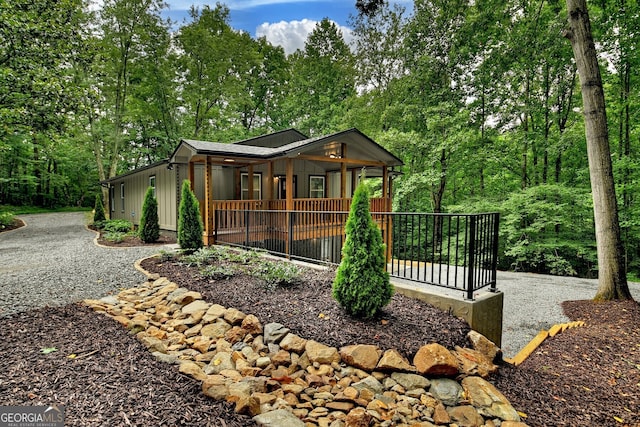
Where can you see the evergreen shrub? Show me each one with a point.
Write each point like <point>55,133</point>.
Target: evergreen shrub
<point>149,230</point>
<point>98,213</point>
<point>189,221</point>
<point>362,285</point>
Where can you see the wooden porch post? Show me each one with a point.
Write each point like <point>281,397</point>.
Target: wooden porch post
<point>237,177</point>
<point>250,182</point>
<point>386,194</point>
<point>269,185</point>
<point>289,205</point>
<point>385,188</point>
<point>343,177</point>
<point>208,204</point>
<point>289,184</point>
<point>192,174</point>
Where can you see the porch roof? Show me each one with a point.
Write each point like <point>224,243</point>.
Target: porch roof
<point>359,146</point>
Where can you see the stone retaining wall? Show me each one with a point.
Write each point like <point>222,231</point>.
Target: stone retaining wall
<point>281,379</point>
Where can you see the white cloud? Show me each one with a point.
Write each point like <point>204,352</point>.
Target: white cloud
<point>292,35</point>
<point>232,4</point>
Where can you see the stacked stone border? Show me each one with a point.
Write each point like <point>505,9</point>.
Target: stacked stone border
<point>539,339</point>
<point>281,379</point>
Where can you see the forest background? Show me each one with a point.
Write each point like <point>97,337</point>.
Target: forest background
<point>480,99</point>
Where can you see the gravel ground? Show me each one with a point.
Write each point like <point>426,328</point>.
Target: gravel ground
<point>54,261</point>
<point>532,302</point>
<point>40,267</point>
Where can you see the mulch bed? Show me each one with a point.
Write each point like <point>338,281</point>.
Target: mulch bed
<point>17,223</point>
<point>134,241</point>
<point>584,376</point>
<point>587,376</point>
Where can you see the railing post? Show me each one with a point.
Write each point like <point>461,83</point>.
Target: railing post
<point>494,261</point>
<point>290,235</point>
<point>246,223</point>
<point>472,255</point>
<point>215,226</point>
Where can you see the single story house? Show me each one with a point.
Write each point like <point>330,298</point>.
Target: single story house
<point>281,171</point>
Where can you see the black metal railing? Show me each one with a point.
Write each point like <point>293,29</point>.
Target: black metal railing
<point>456,251</point>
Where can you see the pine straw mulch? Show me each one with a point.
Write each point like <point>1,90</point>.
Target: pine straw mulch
<point>585,376</point>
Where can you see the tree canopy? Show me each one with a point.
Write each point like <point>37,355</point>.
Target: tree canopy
<point>481,100</point>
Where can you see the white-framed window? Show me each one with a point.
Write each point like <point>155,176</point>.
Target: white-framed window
<point>112,198</point>
<point>122,196</point>
<point>316,187</point>
<point>257,186</point>
<point>152,184</point>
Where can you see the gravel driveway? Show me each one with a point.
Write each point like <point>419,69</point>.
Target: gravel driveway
<point>54,261</point>
<point>532,304</point>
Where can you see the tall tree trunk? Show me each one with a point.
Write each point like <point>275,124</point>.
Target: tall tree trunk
<point>612,277</point>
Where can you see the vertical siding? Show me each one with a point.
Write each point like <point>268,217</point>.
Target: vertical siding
<point>135,187</point>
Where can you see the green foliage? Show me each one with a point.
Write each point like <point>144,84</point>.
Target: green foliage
<point>362,285</point>
<point>276,273</point>
<point>218,272</point>
<point>549,229</point>
<point>98,210</point>
<point>189,221</point>
<point>149,229</point>
<point>6,219</point>
<point>117,226</point>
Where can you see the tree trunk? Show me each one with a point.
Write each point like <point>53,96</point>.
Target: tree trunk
<point>612,278</point>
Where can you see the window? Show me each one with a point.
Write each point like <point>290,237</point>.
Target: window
<point>316,187</point>
<point>257,187</point>
<point>152,184</point>
<point>122,196</point>
<point>112,198</point>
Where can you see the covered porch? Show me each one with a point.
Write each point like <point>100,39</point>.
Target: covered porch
<point>267,174</point>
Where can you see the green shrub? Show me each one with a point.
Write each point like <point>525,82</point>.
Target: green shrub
<point>362,285</point>
<point>277,273</point>
<point>114,236</point>
<point>149,230</point>
<point>189,221</point>
<point>6,219</point>
<point>218,272</point>
<point>98,211</point>
<point>201,256</point>
<point>117,226</point>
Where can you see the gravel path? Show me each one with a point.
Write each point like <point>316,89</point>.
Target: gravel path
<point>54,261</point>
<point>532,303</point>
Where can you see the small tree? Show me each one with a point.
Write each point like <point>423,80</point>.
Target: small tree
<point>149,224</point>
<point>362,285</point>
<point>189,221</point>
<point>98,212</point>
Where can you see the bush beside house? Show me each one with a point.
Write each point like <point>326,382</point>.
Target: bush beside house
<point>149,230</point>
<point>189,222</point>
<point>362,285</point>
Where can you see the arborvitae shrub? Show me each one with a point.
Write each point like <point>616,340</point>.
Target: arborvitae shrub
<point>362,285</point>
<point>98,213</point>
<point>189,221</point>
<point>149,230</point>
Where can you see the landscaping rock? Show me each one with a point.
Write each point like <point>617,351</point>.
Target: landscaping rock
<point>282,379</point>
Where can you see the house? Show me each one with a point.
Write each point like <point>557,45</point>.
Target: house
<point>281,171</point>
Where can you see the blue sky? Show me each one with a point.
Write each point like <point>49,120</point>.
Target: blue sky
<point>283,22</point>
